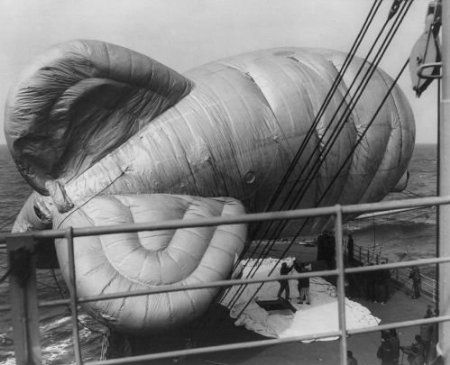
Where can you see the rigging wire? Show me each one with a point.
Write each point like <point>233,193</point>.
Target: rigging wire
<point>329,97</point>
<point>401,17</point>
<point>5,275</point>
<point>317,147</point>
<point>327,148</point>
<point>326,102</point>
<point>360,36</point>
<point>329,186</point>
<point>317,119</point>
<point>335,133</point>
<point>352,104</point>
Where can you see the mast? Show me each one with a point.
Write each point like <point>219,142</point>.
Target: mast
<point>444,184</point>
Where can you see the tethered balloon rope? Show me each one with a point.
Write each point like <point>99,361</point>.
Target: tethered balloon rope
<point>333,180</point>
<point>317,148</point>
<point>328,98</point>
<point>317,153</point>
<point>323,152</point>
<point>281,225</point>
<point>338,128</point>
<point>357,42</point>
<point>350,107</point>
<point>267,247</point>
<point>342,121</point>
<point>394,30</point>
<point>327,148</point>
<point>360,36</point>
<point>349,157</point>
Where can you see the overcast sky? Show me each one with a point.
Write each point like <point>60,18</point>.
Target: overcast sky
<point>187,33</point>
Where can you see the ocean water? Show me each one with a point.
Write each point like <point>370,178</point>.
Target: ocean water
<point>410,234</point>
<point>13,190</point>
<point>55,324</point>
<point>399,236</point>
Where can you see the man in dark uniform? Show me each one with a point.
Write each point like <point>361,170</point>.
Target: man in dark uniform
<point>326,249</point>
<point>415,351</point>
<point>350,359</point>
<point>395,342</point>
<point>386,352</point>
<point>284,284</point>
<point>414,275</point>
<point>426,332</point>
<point>350,250</point>
<point>303,284</point>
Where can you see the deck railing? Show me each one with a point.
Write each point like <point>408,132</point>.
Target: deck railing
<point>428,286</point>
<point>367,255</point>
<point>24,304</point>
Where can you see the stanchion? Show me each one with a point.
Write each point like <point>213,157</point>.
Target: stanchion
<point>23,294</point>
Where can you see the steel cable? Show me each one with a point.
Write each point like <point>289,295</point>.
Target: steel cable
<point>350,107</point>
<point>349,156</point>
<point>361,34</point>
<point>331,141</point>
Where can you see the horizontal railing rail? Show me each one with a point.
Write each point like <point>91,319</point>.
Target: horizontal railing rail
<point>227,283</point>
<point>14,240</point>
<point>245,218</point>
<point>271,342</point>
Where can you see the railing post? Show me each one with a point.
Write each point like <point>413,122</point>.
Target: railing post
<point>444,184</point>
<point>341,284</point>
<point>73,297</point>
<point>23,298</point>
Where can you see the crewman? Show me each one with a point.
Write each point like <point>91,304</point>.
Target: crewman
<point>415,352</point>
<point>426,332</point>
<point>386,352</point>
<point>350,359</point>
<point>303,284</point>
<point>414,275</point>
<point>350,250</point>
<point>395,341</point>
<point>284,284</point>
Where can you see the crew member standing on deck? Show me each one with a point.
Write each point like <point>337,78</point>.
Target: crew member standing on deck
<point>303,284</point>
<point>395,342</point>
<point>386,352</point>
<point>284,284</point>
<point>350,359</point>
<point>426,332</point>
<point>415,351</point>
<point>326,249</point>
<point>414,275</point>
<point>350,250</point>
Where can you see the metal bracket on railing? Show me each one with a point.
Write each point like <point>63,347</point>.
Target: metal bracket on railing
<point>23,298</point>
<point>422,68</point>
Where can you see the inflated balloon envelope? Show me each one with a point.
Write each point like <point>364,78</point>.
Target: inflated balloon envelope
<point>106,135</point>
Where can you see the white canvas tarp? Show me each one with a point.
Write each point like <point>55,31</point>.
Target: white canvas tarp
<point>319,317</point>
